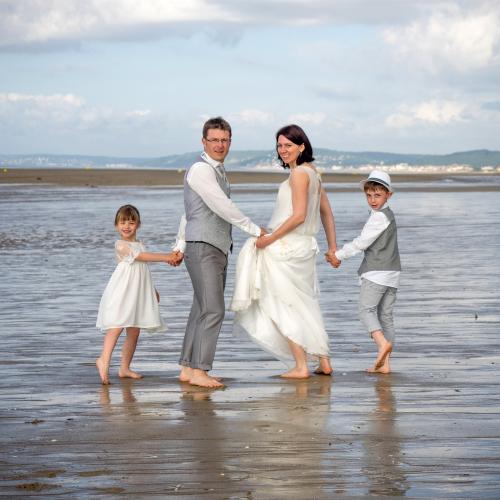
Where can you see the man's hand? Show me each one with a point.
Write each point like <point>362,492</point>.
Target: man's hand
<point>263,231</point>
<point>176,258</point>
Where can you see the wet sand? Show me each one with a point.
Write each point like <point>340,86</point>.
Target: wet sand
<point>430,429</point>
<point>144,177</point>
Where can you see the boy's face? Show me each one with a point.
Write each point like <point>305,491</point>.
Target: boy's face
<point>377,197</point>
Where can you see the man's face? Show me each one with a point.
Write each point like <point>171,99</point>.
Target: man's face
<point>217,143</point>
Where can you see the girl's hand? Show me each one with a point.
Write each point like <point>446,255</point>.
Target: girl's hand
<point>263,241</point>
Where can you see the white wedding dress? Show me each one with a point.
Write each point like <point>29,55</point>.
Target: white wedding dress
<point>276,291</point>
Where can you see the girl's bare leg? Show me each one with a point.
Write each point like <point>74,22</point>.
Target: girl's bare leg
<point>102,362</point>
<point>128,351</point>
<point>300,370</point>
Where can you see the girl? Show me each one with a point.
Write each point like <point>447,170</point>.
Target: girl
<point>130,300</point>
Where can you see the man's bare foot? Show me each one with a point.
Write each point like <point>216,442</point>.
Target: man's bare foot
<point>204,380</point>
<point>103,371</point>
<point>324,368</point>
<point>296,373</point>
<point>129,374</point>
<point>384,350</point>
<point>186,374</point>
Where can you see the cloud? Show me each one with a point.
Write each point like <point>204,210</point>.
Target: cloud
<point>450,39</point>
<point>316,118</point>
<point>252,116</point>
<point>58,24</point>
<point>429,112</point>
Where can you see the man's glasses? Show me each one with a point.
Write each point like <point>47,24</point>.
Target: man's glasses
<point>224,142</point>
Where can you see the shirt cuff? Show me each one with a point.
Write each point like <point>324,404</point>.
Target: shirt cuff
<point>180,246</point>
<point>255,230</point>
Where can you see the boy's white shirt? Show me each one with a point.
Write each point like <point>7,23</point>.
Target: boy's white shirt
<point>205,184</point>
<point>376,224</point>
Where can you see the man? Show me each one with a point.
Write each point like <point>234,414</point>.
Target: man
<point>204,241</point>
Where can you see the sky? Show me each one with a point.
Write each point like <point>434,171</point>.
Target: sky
<point>139,78</point>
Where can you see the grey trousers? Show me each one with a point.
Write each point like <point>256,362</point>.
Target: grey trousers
<point>376,303</point>
<point>207,267</point>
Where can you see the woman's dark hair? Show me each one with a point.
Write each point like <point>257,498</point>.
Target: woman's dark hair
<point>127,212</point>
<point>295,134</point>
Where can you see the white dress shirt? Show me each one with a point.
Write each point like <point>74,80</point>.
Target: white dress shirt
<point>376,224</point>
<point>202,179</point>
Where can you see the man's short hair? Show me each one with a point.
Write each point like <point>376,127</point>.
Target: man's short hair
<point>218,123</point>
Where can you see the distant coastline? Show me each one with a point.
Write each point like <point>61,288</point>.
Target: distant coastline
<point>168,177</point>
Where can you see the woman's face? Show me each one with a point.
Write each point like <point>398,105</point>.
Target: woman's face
<point>288,151</point>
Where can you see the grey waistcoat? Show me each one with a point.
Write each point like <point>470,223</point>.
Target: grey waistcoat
<point>383,253</point>
<point>201,223</point>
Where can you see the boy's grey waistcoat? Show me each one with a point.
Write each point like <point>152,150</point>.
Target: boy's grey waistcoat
<point>201,223</point>
<point>383,253</point>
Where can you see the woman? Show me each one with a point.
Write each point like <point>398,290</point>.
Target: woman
<point>275,296</point>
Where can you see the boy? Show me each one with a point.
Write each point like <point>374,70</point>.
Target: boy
<point>380,269</point>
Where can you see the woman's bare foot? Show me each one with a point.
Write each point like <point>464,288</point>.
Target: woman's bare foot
<point>324,368</point>
<point>296,373</point>
<point>383,351</point>
<point>129,374</point>
<point>103,371</point>
<point>202,379</point>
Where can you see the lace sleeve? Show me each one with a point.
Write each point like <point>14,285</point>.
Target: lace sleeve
<point>126,252</point>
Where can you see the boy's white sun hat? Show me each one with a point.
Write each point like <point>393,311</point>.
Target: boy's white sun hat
<point>379,177</point>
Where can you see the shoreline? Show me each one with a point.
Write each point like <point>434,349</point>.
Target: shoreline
<point>171,178</point>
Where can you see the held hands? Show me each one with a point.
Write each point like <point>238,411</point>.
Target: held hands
<point>263,241</point>
<point>174,258</point>
<point>332,259</point>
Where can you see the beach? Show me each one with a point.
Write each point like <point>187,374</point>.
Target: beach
<point>444,181</point>
<point>430,429</point>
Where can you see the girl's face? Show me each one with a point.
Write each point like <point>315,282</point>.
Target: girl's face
<point>288,151</point>
<point>127,229</point>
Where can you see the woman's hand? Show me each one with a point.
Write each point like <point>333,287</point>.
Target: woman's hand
<point>263,241</point>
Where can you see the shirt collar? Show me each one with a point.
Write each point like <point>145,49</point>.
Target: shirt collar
<point>211,161</point>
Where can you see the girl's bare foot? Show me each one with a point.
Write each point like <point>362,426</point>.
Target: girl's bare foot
<point>129,374</point>
<point>296,373</point>
<point>103,371</point>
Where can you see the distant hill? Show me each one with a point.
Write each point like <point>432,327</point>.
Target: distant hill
<point>249,160</point>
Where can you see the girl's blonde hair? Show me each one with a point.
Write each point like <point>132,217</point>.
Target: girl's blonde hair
<point>128,212</point>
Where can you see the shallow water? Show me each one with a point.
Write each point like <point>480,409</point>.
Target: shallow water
<point>430,429</point>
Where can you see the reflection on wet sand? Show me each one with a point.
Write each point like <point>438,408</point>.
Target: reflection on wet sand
<point>382,460</point>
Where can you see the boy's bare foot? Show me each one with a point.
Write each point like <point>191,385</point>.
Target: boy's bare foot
<point>204,380</point>
<point>103,371</point>
<point>384,350</point>
<point>385,368</point>
<point>296,373</point>
<point>129,374</point>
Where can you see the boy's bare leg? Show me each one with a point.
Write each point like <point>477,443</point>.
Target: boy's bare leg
<point>384,348</point>
<point>128,351</point>
<point>102,362</point>
<point>300,370</point>
<point>202,379</point>
<point>324,368</point>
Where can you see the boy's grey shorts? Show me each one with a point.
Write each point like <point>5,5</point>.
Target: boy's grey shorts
<point>376,303</point>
